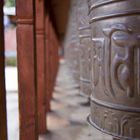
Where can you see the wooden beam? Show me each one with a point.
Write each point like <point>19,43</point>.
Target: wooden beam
<point>26,53</point>
<point>40,51</point>
<point>3,126</point>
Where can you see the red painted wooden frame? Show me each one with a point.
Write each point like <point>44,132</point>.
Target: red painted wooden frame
<point>27,69</point>
<point>3,124</point>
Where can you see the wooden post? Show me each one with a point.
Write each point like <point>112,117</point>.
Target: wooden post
<point>3,127</point>
<point>55,56</point>
<point>51,58</point>
<point>26,53</point>
<point>40,44</point>
<point>47,61</point>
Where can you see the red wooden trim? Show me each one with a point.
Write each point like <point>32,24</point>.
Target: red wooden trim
<point>26,53</point>
<point>3,127</point>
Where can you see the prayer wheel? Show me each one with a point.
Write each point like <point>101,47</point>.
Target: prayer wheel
<point>71,42</point>
<point>115,67</point>
<point>84,48</point>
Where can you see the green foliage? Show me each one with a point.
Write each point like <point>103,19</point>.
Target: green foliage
<point>10,3</point>
<point>11,61</point>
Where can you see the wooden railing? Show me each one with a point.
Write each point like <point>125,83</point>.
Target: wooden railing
<point>37,66</point>
<point>38,61</point>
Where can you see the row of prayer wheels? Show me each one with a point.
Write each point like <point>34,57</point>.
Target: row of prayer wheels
<point>106,59</point>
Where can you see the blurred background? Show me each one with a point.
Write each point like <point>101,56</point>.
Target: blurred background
<point>69,109</point>
<point>11,69</point>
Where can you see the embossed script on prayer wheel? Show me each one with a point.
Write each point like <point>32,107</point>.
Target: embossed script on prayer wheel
<point>115,64</point>
<point>84,48</point>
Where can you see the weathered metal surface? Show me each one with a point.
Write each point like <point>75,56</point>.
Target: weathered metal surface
<point>26,54</point>
<point>115,64</point>
<point>72,42</point>
<point>40,56</point>
<point>84,47</point>
<point>3,124</point>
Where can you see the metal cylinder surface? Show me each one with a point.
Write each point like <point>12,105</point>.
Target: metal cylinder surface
<point>115,67</point>
<point>84,48</point>
<point>71,42</point>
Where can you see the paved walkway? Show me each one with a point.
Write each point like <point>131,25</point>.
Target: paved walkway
<point>12,103</point>
<point>66,121</point>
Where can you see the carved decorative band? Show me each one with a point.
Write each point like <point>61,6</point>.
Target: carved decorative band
<point>99,4</point>
<point>90,122</point>
<point>122,124</point>
<point>115,106</point>
<point>125,13</point>
<point>25,21</point>
<point>85,80</point>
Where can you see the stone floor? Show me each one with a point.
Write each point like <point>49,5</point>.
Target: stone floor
<point>67,120</point>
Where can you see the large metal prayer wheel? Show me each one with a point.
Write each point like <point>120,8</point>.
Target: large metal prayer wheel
<point>72,43</point>
<point>85,84</point>
<point>84,48</point>
<point>115,64</point>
